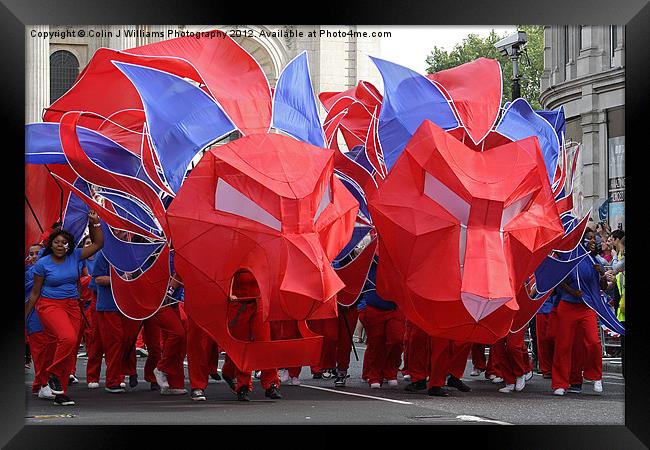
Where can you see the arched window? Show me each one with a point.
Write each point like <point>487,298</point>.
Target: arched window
<point>64,68</point>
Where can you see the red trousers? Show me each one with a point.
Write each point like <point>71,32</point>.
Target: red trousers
<point>545,343</point>
<point>385,332</point>
<point>347,322</point>
<point>419,352</point>
<point>152,336</point>
<point>286,329</point>
<point>512,356</point>
<point>576,328</point>
<point>329,329</point>
<point>61,319</point>
<point>478,356</point>
<point>246,325</point>
<point>94,345</point>
<point>174,345</point>
<point>42,347</point>
<point>111,342</point>
<point>202,355</point>
<point>447,357</point>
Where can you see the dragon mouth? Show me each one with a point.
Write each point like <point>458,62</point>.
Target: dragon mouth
<point>480,307</point>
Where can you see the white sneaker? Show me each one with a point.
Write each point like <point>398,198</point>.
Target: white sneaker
<point>375,385</point>
<point>520,383</point>
<point>475,372</point>
<point>392,383</point>
<point>598,386</point>
<point>93,385</point>
<point>492,377</point>
<point>170,391</point>
<point>161,379</point>
<point>508,389</point>
<point>123,385</point>
<point>73,380</point>
<point>284,375</point>
<point>497,380</point>
<point>559,391</point>
<point>295,381</point>
<point>407,377</point>
<point>529,375</point>
<point>45,392</point>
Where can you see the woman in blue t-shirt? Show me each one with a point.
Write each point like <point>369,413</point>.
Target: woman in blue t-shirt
<point>55,295</point>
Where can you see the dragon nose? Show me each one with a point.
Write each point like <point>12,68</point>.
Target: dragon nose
<point>309,281</point>
<point>486,282</point>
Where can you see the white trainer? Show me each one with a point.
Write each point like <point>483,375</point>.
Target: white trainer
<point>407,377</point>
<point>284,376</point>
<point>520,383</point>
<point>559,391</point>
<point>497,380</point>
<point>508,389</point>
<point>295,381</point>
<point>392,383</point>
<point>45,392</point>
<point>475,372</point>
<point>598,386</point>
<point>375,385</point>
<point>93,385</point>
<point>529,375</point>
<point>161,379</point>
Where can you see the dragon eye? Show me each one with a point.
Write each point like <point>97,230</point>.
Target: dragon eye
<point>230,200</point>
<point>325,200</point>
<point>455,205</point>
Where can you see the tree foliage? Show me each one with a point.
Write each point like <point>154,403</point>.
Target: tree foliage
<point>531,62</point>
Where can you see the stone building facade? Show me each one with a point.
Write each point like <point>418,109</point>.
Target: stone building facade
<point>336,62</point>
<point>584,71</point>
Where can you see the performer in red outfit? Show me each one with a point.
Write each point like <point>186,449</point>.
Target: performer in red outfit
<point>513,361</point>
<point>448,361</point>
<point>245,323</point>
<point>202,357</point>
<point>419,357</point>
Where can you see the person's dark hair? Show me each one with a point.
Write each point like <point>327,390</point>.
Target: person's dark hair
<point>56,225</point>
<point>67,235</point>
<point>618,234</point>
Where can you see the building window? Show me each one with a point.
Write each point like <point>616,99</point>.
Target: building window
<point>616,167</point>
<point>64,68</point>
<point>566,45</point>
<point>613,43</point>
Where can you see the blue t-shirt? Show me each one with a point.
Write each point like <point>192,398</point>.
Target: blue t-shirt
<point>369,294</point>
<point>60,280</point>
<point>90,264</point>
<point>33,323</point>
<point>587,274</point>
<point>547,307</point>
<point>105,300</point>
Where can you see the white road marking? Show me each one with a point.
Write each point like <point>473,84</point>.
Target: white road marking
<point>356,395</point>
<point>467,418</point>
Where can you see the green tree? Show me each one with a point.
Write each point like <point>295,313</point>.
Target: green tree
<point>531,62</point>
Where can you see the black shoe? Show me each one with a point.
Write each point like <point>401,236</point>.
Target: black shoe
<point>575,389</point>
<point>73,380</point>
<point>437,391</point>
<point>416,386</point>
<point>154,386</point>
<point>317,376</point>
<point>133,380</point>
<point>454,382</point>
<point>62,400</point>
<point>339,381</point>
<point>55,385</point>
<point>230,382</point>
<point>547,376</point>
<point>242,394</point>
<point>273,392</point>
<point>215,376</point>
<point>198,395</point>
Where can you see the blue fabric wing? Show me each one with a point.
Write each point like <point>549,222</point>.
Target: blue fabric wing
<point>358,234</point>
<point>552,271</point>
<point>409,100</point>
<point>131,211</point>
<point>295,110</point>
<point>519,121</point>
<point>76,214</point>
<point>593,299</point>
<point>356,192</point>
<point>182,119</point>
<point>556,119</point>
<point>358,155</point>
<point>126,256</point>
<point>43,146</point>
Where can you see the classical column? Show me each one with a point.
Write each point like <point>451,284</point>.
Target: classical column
<point>118,41</point>
<point>37,73</point>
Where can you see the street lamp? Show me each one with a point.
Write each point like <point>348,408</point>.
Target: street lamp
<point>512,47</point>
